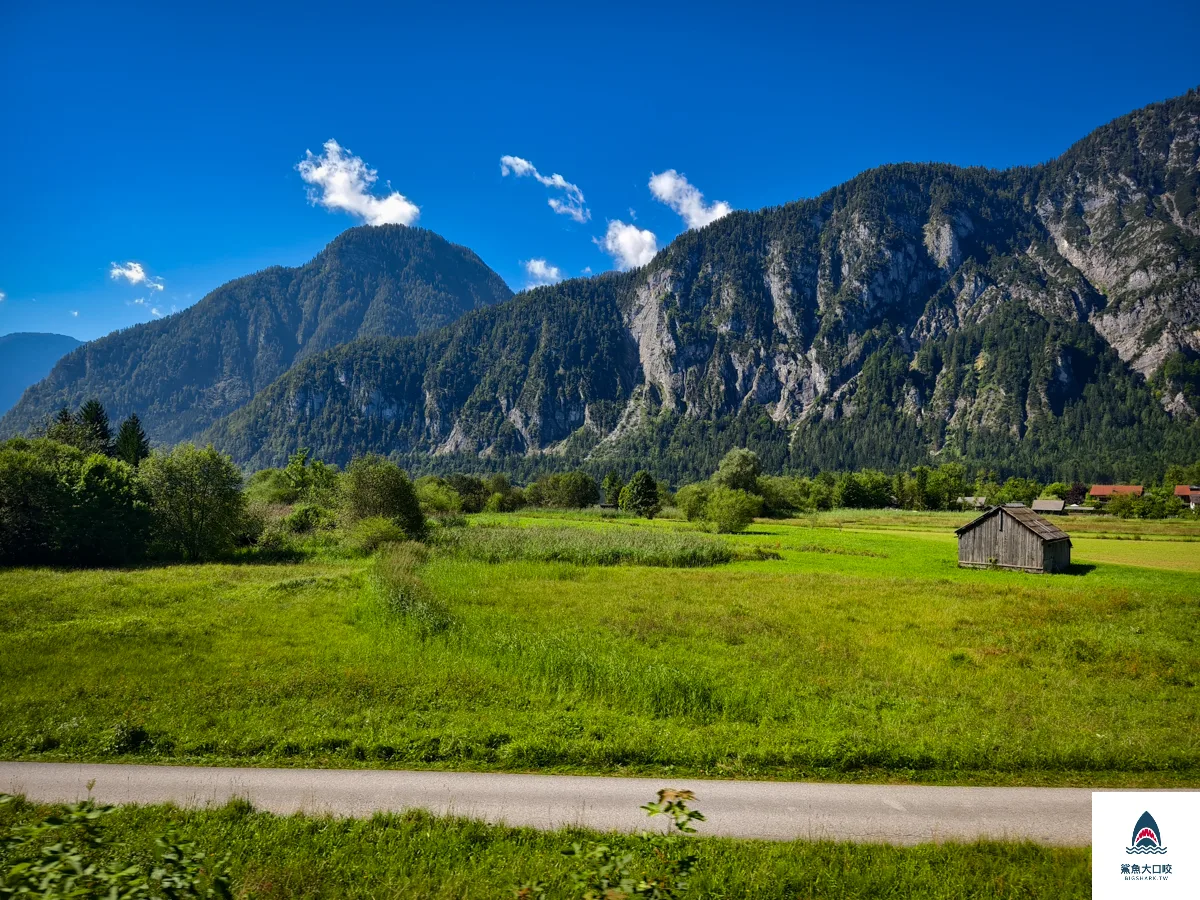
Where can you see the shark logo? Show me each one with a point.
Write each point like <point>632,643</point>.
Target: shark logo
<point>1147,838</point>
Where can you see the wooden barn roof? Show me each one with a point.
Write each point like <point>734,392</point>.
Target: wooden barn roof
<point>1027,517</point>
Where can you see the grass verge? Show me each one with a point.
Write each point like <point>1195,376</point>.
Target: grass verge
<point>417,855</point>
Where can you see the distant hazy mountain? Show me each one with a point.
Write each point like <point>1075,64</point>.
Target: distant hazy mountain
<point>183,372</point>
<point>1043,320</point>
<point>26,357</point>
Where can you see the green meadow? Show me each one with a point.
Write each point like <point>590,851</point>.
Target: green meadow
<point>844,646</point>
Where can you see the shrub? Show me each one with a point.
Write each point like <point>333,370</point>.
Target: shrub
<point>691,500</point>
<point>110,521</point>
<point>307,517</point>
<point>731,511</point>
<point>471,490</point>
<point>67,854</point>
<point>437,497</point>
<point>197,501</point>
<point>373,486</point>
<point>59,506</point>
<point>368,535</point>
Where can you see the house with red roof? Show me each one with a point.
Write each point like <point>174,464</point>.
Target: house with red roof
<point>1105,492</point>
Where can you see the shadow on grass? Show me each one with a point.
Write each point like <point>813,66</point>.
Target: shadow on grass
<point>1078,569</point>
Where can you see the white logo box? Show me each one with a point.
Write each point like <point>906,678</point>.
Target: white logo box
<point>1146,844</point>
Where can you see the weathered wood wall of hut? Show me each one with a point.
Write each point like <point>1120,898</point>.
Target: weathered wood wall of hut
<point>1057,556</point>
<point>1003,541</point>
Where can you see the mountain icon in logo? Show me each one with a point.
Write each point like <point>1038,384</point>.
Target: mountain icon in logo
<point>1146,836</point>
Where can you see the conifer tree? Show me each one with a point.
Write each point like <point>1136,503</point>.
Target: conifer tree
<point>131,444</point>
<point>95,430</point>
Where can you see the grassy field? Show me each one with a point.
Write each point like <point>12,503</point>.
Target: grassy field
<point>861,653</point>
<point>416,855</point>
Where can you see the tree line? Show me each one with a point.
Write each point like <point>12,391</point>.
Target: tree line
<point>78,494</point>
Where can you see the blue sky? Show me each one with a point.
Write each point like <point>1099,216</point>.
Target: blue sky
<point>173,138</point>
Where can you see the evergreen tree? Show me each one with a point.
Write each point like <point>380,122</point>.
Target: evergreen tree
<point>131,444</point>
<point>93,422</point>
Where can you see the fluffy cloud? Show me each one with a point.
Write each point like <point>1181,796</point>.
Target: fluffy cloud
<point>569,204</point>
<point>339,180</point>
<point>134,273</point>
<point>3,296</point>
<point>628,245</point>
<point>678,193</point>
<point>154,311</point>
<point>539,272</point>
<point>75,313</point>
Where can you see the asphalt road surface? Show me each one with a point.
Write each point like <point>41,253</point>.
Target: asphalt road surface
<point>894,814</point>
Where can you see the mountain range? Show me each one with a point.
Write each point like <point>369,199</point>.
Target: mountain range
<point>26,357</point>
<point>183,372</point>
<point>1040,320</point>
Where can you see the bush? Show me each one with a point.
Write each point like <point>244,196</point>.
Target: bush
<point>437,497</point>
<point>691,500</point>
<point>307,517</point>
<point>59,506</point>
<point>197,501</point>
<point>110,522</point>
<point>373,486</point>
<point>368,535</point>
<point>68,854</point>
<point>471,490</point>
<point>731,511</point>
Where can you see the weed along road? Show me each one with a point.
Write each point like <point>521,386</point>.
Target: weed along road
<point>893,814</point>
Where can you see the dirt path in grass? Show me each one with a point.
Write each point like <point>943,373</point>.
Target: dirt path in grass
<point>894,814</point>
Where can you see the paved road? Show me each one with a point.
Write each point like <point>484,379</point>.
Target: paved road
<point>894,814</point>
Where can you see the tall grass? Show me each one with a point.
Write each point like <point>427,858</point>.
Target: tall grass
<point>398,586</point>
<point>586,546</point>
<point>418,855</point>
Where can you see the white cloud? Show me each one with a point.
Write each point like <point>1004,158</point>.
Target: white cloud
<point>340,180</point>
<point>628,245</point>
<point>75,313</point>
<point>134,273</point>
<point>678,193</point>
<point>3,296</point>
<point>154,311</point>
<point>570,204</point>
<point>540,272</point>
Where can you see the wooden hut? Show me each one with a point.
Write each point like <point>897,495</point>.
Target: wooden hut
<point>1013,537</point>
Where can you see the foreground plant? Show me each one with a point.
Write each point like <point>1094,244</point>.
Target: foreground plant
<point>609,875</point>
<point>63,855</point>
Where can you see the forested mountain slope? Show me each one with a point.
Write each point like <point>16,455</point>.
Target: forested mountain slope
<point>25,358</point>
<point>183,372</point>
<point>1037,318</point>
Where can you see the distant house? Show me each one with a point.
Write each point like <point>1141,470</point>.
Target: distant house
<point>1050,507</point>
<point>1013,536</point>
<point>1189,494</point>
<point>1105,492</point>
<point>972,502</point>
